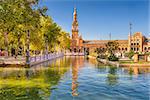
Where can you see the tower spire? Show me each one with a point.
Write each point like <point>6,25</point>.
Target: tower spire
<point>75,14</point>
<point>75,21</point>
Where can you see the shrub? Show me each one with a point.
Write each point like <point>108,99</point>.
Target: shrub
<point>113,58</point>
<point>130,54</point>
<point>93,54</point>
<point>102,56</point>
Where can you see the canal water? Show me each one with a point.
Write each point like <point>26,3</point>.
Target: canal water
<point>75,78</point>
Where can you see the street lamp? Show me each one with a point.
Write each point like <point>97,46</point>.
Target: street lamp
<point>46,47</point>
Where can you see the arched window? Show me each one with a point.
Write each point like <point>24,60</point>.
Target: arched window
<point>75,50</point>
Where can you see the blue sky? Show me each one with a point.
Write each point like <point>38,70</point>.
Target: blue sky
<point>98,18</point>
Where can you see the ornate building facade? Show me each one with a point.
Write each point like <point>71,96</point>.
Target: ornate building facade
<point>136,42</point>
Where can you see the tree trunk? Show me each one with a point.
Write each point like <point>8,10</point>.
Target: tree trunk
<point>18,44</point>
<point>6,43</point>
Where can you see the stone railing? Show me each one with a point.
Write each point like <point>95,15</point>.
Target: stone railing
<point>33,59</point>
<point>40,58</point>
<point>74,54</point>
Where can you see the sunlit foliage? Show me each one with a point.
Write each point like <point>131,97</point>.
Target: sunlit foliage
<point>20,16</point>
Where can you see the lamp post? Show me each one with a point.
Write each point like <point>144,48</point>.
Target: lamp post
<point>46,47</point>
<point>28,49</point>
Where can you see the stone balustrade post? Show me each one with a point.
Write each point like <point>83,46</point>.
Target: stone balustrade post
<point>35,58</point>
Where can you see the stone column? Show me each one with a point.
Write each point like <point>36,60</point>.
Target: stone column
<point>145,58</point>
<point>148,58</point>
<point>136,58</point>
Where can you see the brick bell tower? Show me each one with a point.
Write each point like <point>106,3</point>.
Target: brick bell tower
<point>76,41</point>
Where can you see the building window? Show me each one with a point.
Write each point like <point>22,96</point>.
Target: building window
<point>145,48</point>
<point>137,43</point>
<point>131,48</point>
<point>134,49</point>
<point>131,43</point>
<point>148,48</point>
<point>75,50</point>
<point>122,48</point>
<point>134,43</point>
<point>126,49</point>
<point>137,49</point>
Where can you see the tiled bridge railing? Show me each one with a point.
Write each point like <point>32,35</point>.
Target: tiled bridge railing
<point>41,58</point>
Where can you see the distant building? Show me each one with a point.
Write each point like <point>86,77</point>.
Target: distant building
<point>136,42</point>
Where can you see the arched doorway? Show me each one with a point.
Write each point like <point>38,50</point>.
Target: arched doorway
<point>86,51</point>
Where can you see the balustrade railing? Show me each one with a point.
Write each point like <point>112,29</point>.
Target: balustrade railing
<point>45,57</point>
<point>74,54</point>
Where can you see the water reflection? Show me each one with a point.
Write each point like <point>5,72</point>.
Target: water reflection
<point>31,84</point>
<point>137,70</point>
<point>77,63</point>
<point>74,77</point>
<point>112,77</point>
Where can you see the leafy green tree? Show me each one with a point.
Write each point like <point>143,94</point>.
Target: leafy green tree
<point>7,21</point>
<point>52,35</point>
<point>64,40</point>
<point>112,46</point>
<point>21,17</point>
<point>101,53</point>
<point>130,54</point>
<point>17,18</point>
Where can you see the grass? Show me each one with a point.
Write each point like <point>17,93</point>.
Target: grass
<point>132,62</point>
<point>23,83</point>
